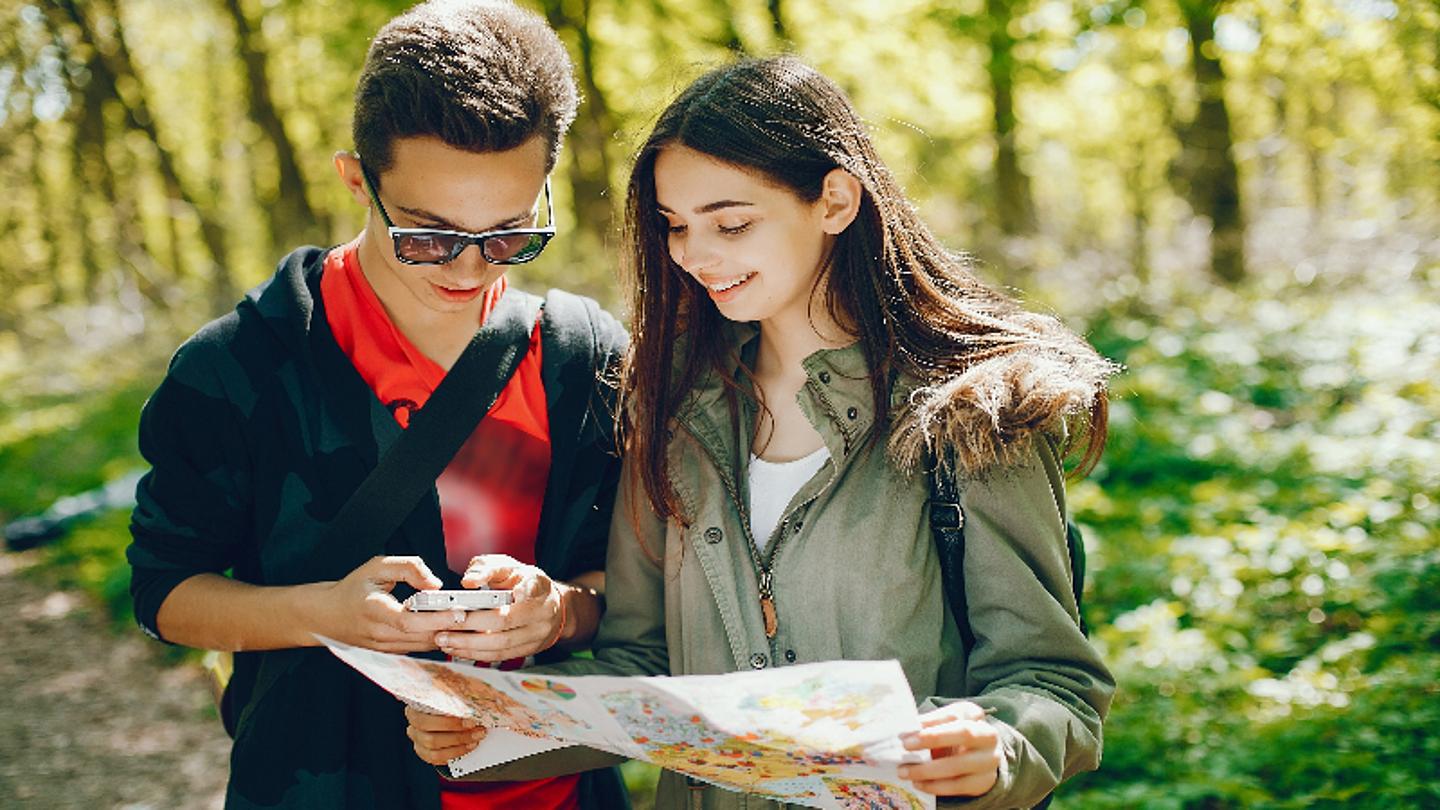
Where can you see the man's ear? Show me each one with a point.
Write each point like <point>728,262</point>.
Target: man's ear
<point>347,165</point>
<point>839,201</point>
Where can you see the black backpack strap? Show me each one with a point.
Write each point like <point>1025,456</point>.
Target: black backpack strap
<point>947,524</point>
<point>571,357</point>
<point>409,468</point>
<point>579,343</point>
<point>1075,544</point>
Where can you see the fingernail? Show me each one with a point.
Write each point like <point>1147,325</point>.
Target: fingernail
<point>904,771</point>
<point>910,740</point>
<point>442,640</point>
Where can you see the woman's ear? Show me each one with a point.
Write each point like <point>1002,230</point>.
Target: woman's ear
<point>347,165</point>
<point>839,201</point>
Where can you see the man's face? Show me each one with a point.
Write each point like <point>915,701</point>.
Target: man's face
<point>430,184</point>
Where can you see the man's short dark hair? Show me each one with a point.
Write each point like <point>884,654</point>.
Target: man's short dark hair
<point>481,75</point>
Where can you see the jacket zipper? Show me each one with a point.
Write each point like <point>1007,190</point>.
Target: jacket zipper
<point>763,569</point>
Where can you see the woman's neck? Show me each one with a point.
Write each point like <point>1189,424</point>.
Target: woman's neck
<point>782,431</point>
<point>787,339</point>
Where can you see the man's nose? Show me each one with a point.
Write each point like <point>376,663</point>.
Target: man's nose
<point>471,261</point>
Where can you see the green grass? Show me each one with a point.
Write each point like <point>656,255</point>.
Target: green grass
<point>53,446</point>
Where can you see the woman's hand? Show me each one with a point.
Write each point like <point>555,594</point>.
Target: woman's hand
<point>964,751</point>
<point>534,621</point>
<point>439,738</point>
<point>359,609</point>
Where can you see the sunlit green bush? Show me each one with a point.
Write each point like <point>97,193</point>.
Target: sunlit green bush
<point>1266,553</point>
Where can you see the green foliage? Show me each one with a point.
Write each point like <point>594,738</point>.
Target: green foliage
<point>57,445</point>
<point>1266,565</point>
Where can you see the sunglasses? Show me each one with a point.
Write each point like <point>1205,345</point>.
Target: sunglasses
<point>439,246</point>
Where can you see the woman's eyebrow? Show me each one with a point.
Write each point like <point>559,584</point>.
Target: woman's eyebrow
<point>420,214</point>
<point>708,208</point>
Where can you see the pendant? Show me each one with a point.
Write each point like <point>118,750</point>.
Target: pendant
<point>767,609</point>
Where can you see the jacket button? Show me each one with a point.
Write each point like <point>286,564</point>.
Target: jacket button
<point>853,413</point>
<point>825,377</point>
<point>790,656</point>
<point>714,535</point>
<point>757,661</point>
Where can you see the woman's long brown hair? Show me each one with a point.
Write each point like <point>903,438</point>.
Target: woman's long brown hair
<point>915,307</point>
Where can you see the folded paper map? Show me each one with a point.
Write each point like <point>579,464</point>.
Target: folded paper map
<point>818,735</point>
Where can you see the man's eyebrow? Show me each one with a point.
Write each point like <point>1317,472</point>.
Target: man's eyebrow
<point>421,215</point>
<point>711,207</point>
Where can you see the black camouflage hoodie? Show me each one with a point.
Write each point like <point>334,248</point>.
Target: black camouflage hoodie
<point>256,437</point>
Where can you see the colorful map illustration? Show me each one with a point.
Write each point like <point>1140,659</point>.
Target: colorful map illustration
<point>820,735</point>
<point>546,688</point>
<point>861,794</point>
<point>674,736</point>
<point>497,709</point>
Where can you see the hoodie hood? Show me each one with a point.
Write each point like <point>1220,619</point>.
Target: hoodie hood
<point>288,302</point>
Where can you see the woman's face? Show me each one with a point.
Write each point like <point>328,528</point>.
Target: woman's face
<point>754,246</point>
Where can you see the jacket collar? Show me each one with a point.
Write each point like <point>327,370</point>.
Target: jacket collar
<point>836,398</point>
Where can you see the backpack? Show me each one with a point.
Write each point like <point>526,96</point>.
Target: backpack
<point>947,524</point>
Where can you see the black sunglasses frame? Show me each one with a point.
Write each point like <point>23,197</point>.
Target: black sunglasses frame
<point>463,239</point>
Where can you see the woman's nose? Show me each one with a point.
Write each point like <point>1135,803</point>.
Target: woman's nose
<point>693,255</point>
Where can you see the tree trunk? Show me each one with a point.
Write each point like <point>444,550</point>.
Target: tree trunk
<point>115,65</point>
<point>777,19</point>
<point>292,219</point>
<point>1014,204</point>
<point>45,202</point>
<point>590,192</point>
<point>729,35</point>
<point>92,169</point>
<point>1207,148</point>
<point>1315,158</point>
<point>1140,221</point>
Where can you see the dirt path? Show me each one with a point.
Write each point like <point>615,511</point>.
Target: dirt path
<point>94,719</point>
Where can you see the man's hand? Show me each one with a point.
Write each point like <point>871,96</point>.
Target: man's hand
<point>439,738</point>
<point>964,752</point>
<point>359,609</point>
<point>532,622</point>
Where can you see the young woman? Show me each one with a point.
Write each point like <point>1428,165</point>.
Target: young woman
<point>802,347</point>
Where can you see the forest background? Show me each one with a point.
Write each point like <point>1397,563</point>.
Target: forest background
<point>1237,200</point>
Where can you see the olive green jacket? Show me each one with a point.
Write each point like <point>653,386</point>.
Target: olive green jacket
<point>856,576</point>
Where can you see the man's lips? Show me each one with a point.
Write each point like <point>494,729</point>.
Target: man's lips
<point>458,294</point>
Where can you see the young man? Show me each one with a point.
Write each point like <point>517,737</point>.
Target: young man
<point>272,416</point>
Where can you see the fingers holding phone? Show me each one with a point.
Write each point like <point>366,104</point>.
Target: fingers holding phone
<point>533,620</point>
<point>361,610</point>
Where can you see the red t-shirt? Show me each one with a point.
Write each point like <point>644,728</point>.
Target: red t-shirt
<point>491,493</point>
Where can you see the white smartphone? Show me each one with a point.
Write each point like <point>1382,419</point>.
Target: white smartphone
<point>464,599</point>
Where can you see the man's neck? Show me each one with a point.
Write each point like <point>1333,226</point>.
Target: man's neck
<point>440,336</point>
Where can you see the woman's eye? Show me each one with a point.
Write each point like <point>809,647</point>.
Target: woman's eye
<point>674,228</point>
<point>734,229</point>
